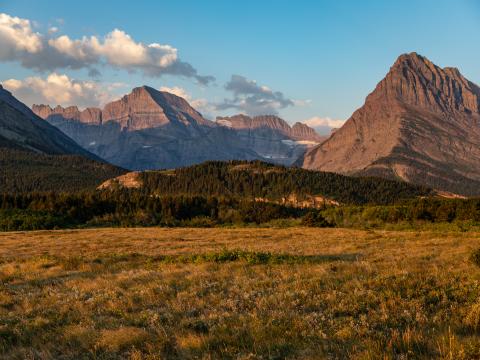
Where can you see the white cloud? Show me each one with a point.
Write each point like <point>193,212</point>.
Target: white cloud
<point>201,105</point>
<point>17,38</point>
<point>323,125</point>
<point>81,50</point>
<point>318,121</point>
<point>176,90</point>
<point>117,49</point>
<point>59,89</point>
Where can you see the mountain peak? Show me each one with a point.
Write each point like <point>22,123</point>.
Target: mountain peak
<point>420,124</point>
<point>144,89</point>
<point>415,80</point>
<point>143,108</point>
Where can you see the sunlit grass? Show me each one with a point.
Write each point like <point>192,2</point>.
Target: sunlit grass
<point>239,293</point>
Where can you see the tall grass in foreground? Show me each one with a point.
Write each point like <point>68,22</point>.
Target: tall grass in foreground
<point>239,294</point>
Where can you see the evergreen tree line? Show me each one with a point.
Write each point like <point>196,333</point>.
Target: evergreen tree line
<point>262,180</point>
<point>34,211</point>
<point>434,210</point>
<point>127,207</point>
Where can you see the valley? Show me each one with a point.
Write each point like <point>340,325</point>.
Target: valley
<point>239,180</point>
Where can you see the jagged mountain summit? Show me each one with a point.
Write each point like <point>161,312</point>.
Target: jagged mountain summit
<point>272,137</point>
<point>420,124</point>
<point>298,131</point>
<point>151,129</point>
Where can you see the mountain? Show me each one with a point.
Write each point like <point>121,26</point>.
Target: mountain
<point>147,129</point>
<point>36,156</point>
<point>272,137</point>
<point>151,129</point>
<point>20,128</point>
<point>420,124</point>
<point>298,131</point>
<point>268,182</point>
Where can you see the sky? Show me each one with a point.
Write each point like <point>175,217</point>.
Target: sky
<point>306,60</point>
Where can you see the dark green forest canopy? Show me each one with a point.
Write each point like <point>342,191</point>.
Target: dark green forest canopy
<point>23,171</point>
<point>262,180</point>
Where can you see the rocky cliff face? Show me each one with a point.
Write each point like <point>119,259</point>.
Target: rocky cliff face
<point>150,129</point>
<point>420,124</point>
<point>272,137</point>
<point>301,131</point>
<point>273,123</point>
<point>88,116</point>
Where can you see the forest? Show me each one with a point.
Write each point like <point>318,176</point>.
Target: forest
<point>235,193</point>
<point>133,208</point>
<point>258,179</point>
<point>25,171</point>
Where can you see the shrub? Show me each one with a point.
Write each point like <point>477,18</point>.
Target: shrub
<point>315,219</point>
<point>199,221</point>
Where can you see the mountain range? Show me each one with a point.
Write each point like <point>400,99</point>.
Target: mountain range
<point>151,129</point>
<point>421,124</point>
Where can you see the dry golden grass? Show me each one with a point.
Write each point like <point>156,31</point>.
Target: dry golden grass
<point>146,294</point>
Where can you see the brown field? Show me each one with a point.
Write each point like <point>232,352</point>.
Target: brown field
<point>248,293</point>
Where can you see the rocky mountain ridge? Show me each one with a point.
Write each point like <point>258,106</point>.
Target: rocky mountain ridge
<point>151,129</point>
<point>420,124</point>
<point>298,131</point>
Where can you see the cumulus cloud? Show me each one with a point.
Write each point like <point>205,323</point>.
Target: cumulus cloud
<point>201,105</point>
<point>59,89</point>
<point>176,90</point>
<point>117,49</point>
<point>17,37</point>
<point>323,125</point>
<point>253,99</point>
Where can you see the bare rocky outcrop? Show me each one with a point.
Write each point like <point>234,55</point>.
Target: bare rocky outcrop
<point>129,180</point>
<point>420,124</point>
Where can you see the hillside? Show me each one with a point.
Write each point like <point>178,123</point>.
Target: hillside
<point>20,128</point>
<point>22,171</point>
<point>264,181</point>
<point>420,124</point>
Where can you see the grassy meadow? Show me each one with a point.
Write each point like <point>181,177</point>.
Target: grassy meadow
<point>247,293</point>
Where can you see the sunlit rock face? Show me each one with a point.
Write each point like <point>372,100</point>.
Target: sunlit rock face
<point>151,129</point>
<point>420,124</point>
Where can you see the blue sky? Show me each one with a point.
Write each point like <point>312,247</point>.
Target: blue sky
<point>324,57</point>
